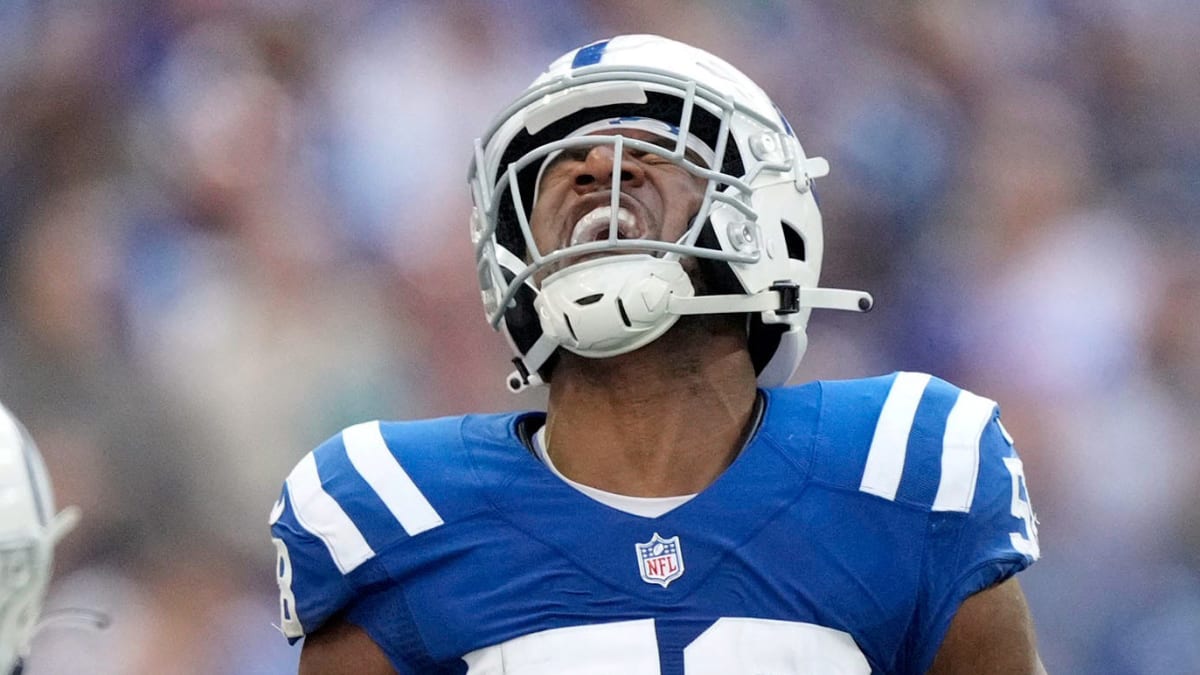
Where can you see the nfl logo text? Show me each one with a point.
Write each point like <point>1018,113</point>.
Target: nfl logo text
<point>660,560</point>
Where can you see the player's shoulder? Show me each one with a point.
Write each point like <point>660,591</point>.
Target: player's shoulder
<point>355,510</point>
<point>387,481</point>
<point>906,437</point>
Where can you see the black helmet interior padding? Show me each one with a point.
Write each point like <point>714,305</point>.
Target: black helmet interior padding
<point>763,340</point>
<point>520,315</point>
<point>523,324</point>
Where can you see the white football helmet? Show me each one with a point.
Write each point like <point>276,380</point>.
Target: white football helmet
<point>757,234</point>
<point>29,530</point>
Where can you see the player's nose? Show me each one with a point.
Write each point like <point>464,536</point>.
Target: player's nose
<point>595,172</point>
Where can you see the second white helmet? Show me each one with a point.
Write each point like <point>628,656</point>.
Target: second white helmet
<point>29,530</point>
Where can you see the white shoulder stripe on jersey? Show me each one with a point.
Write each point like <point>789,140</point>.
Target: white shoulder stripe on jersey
<point>321,515</point>
<point>377,465</point>
<point>885,460</point>
<point>960,452</point>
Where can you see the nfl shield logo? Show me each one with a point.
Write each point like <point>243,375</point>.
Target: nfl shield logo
<point>660,560</point>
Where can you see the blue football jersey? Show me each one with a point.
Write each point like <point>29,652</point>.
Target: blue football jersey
<point>841,540</point>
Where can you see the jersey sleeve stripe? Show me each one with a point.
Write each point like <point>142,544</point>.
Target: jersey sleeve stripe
<point>321,515</point>
<point>369,454</point>
<point>885,459</point>
<point>960,452</point>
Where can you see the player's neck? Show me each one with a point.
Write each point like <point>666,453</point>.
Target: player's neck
<point>664,420</point>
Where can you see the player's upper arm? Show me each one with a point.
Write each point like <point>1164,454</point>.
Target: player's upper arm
<point>311,586</point>
<point>992,632</point>
<point>341,648</point>
<point>326,532</point>
<point>344,522</point>
<point>981,529</point>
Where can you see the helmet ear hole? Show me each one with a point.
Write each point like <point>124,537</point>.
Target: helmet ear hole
<point>796,248</point>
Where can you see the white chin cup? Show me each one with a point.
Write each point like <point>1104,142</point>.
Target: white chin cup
<point>613,305</point>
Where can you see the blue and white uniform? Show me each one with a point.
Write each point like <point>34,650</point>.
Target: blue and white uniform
<point>841,540</point>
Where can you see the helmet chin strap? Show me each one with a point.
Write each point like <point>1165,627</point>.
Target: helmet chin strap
<point>614,305</point>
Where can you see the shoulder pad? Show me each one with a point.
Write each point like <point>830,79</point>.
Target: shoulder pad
<point>907,437</point>
<point>357,496</point>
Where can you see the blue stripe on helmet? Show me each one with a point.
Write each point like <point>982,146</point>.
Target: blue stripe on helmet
<point>34,469</point>
<point>786,127</point>
<point>589,55</point>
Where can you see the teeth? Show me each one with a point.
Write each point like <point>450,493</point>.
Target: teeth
<point>596,222</point>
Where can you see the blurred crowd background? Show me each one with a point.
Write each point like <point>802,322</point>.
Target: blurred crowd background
<point>228,229</point>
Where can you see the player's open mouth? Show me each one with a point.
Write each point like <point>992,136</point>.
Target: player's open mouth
<point>594,225</point>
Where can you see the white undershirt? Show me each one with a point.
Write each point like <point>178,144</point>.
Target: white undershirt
<point>646,507</point>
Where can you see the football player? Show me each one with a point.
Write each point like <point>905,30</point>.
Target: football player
<point>647,239</point>
<point>29,530</point>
